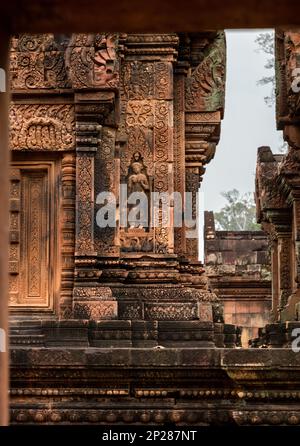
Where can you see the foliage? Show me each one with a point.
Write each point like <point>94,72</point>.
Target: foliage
<point>239,214</point>
<point>265,42</point>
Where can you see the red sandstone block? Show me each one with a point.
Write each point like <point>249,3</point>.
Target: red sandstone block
<point>229,307</point>
<point>257,307</point>
<point>228,319</point>
<point>242,307</point>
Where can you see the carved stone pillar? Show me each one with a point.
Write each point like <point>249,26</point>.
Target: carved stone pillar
<point>4,171</point>
<point>87,139</point>
<point>275,279</point>
<point>192,187</point>
<point>296,225</point>
<point>91,301</point>
<point>180,72</point>
<point>68,171</point>
<point>282,221</point>
<point>285,267</point>
<point>146,126</point>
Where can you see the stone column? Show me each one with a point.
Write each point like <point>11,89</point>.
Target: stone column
<point>4,169</point>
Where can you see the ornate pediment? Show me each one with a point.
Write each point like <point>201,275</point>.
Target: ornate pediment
<point>42,127</point>
<point>205,86</point>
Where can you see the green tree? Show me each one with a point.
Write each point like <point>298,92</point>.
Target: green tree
<point>239,214</point>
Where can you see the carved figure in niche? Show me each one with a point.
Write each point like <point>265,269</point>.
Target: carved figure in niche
<point>138,181</point>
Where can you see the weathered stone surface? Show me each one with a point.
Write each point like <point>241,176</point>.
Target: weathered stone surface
<point>178,385</point>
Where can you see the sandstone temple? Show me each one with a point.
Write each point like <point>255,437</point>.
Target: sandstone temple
<point>122,323</point>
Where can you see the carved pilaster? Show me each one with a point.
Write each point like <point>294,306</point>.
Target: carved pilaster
<point>87,142</point>
<point>107,180</point>
<point>192,187</point>
<point>179,150</point>
<point>90,301</point>
<point>68,233</point>
<point>147,128</point>
<point>282,221</point>
<point>273,246</point>
<point>285,267</point>
<point>296,223</point>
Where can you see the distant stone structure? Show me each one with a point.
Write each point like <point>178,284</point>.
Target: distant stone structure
<point>237,264</point>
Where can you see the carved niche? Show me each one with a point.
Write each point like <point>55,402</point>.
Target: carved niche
<point>138,236</point>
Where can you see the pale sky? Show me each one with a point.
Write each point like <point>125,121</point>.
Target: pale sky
<point>248,122</point>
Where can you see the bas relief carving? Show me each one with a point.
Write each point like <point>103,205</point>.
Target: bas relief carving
<point>137,181</point>
<point>42,127</point>
<point>112,110</point>
<point>91,60</point>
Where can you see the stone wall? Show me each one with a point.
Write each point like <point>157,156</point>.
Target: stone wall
<point>238,268</point>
